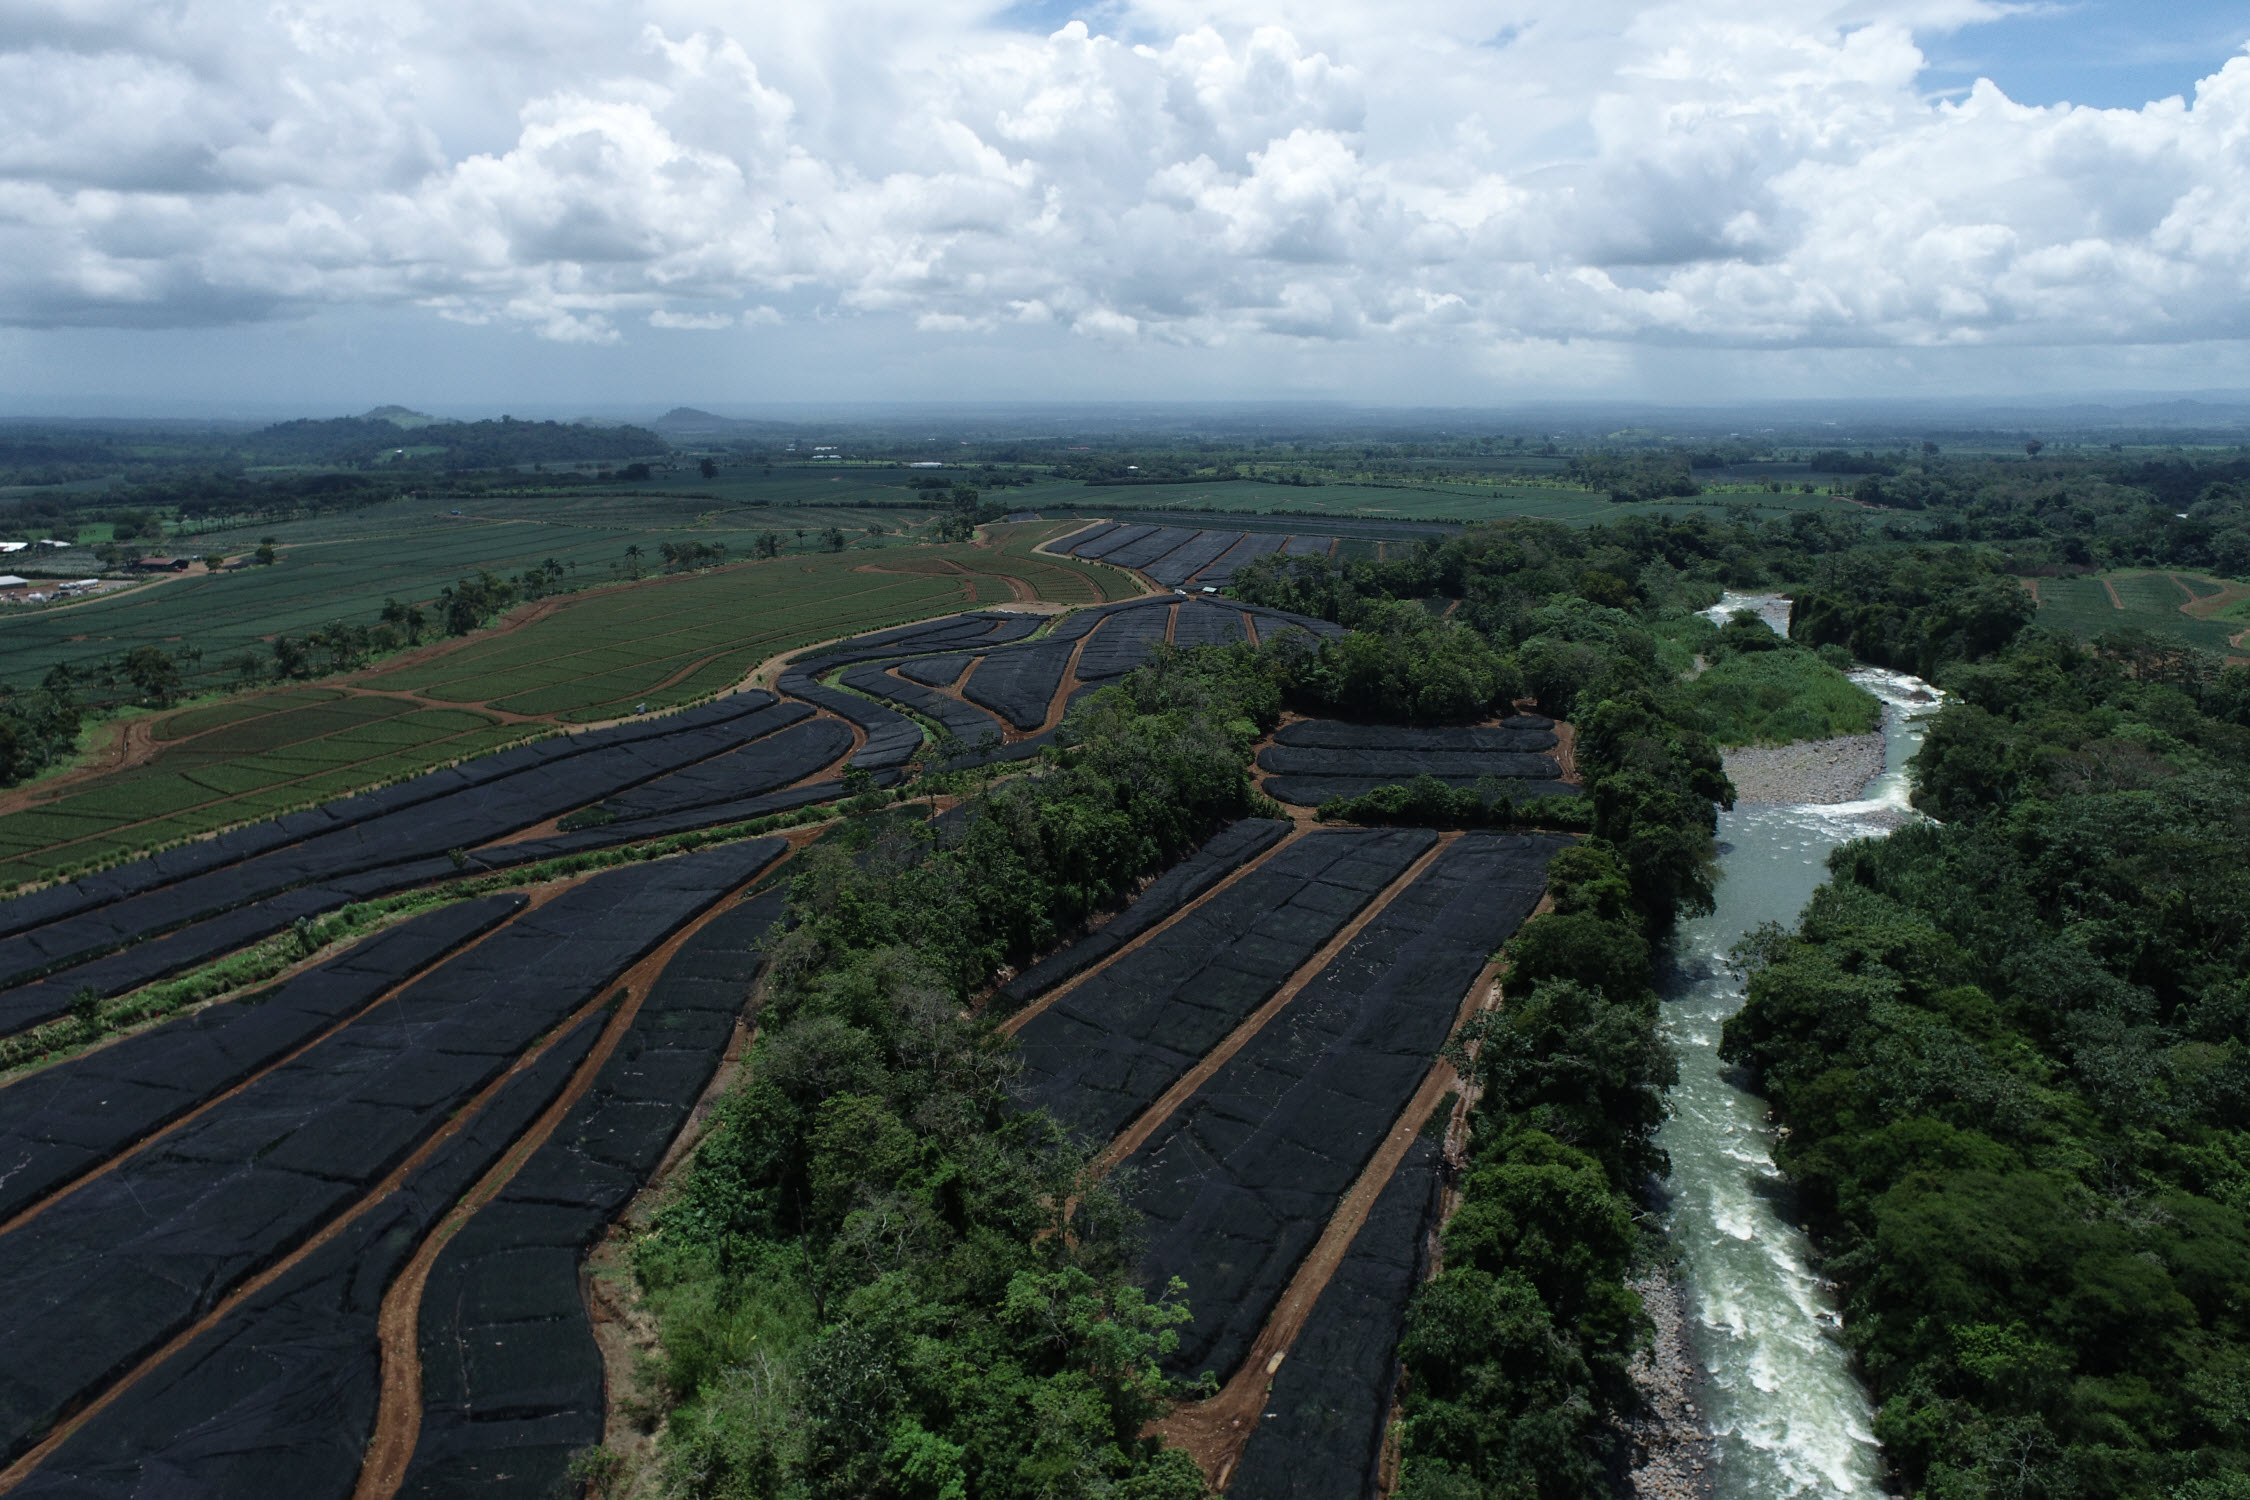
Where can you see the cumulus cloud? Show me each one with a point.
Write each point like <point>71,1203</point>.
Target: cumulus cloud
<point>1730,173</point>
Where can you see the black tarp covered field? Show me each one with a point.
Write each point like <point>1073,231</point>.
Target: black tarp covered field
<point>935,671</point>
<point>1019,684</point>
<point>1161,542</point>
<point>108,1272</point>
<point>1312,791</point>
<point>493,806</point>
<point>762,766</point>
<point>512,1381</point>
<point>1102,544</point>
<point>1524,732</point>
<point>1256,544</point>
<point>892,737</point>
<point>1457,767</point>
<point>1125,641</point>
<point>1321,1437</point>
<point>1206,623</point>
<point>279,1397</point>
<point>1225,852</point>
<point>965,722</point>
<point>1240,1181</point>
<point>64,1119</point>
<point>1103,1053</point>
<point>1189,558</point>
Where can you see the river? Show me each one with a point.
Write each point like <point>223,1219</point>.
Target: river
<point>1788,1414</point>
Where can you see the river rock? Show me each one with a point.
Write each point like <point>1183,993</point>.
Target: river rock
<point>1820,772</point>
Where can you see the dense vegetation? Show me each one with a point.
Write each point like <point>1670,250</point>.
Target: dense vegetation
<point>1759,688</point>
<point>2010,1052</point>
<point>868,1285</point>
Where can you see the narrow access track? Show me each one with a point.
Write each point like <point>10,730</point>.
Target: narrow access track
<point>1137,1133</point>
<point>398,1421</point>
<point>15,1473</point>
<point>1016,1022</point>
<point>539,896</point>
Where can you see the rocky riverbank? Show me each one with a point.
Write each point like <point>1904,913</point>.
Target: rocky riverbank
<point>1668,1439</point>
<point>1819,771</point>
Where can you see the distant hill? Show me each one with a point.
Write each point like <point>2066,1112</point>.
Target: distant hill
<point>401,416</point>
<point>693,422</point>
<point>372,439</point>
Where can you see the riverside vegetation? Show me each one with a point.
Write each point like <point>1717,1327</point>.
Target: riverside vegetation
<point>2010,1053</point>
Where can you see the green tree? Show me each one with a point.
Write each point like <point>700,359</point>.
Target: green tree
<point>153,673</point>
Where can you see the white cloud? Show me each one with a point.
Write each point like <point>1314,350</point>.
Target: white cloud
<point>1520,175</point>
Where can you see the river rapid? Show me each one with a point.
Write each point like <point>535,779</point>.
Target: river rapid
<point>1788,1414</point>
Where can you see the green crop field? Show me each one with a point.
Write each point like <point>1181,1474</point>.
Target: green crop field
<point>230,763</point>
<point>577,658</point>
<point>343,566</point>
<point>666,642</point>
<point>1012,553</point>
<point>2152,601</point>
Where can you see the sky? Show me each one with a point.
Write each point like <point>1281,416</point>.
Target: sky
<point>551,206</point>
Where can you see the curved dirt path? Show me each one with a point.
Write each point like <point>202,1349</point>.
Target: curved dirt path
<point>14,1474</point>
<point>1215,1431</point>
<point>121,751</point>
<point>398,1420</point>
<point>1134,1135</point>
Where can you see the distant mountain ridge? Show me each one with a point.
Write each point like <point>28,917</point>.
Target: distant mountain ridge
<point>377,439</point>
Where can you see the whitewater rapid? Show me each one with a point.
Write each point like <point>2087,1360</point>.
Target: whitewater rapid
<point>1788,1414</point>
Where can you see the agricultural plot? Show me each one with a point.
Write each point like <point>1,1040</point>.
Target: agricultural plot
<point>603,655</point>
<point>1239,1182</point>
<point>757,768</point>
<point>1321,1437</point>
<point>891,738</point>
<point>1019,685</point>
<point>512,1381</point>
<point>344,565</point>
<point>104,1275</point>
<point>1124,642</point>
<point>65,1120</point>
<point>935,671</point>
<point>1014,687</point>
<point>964,721</point>
<point>1012,552</point>
<point>697,765</point>
<point>1189,880</point>
<point>1310,762</point>
<point>279,1396</point>
<point>576,659</point>
<point>296,749</point>
<point>1186,557</point>
<point>1205,624</point>
<point>1378,504</point>
<point>1103,1052</point>
<point>2182,609</point>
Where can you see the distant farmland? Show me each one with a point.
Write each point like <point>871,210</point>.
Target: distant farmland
<point>582,659</point>
<point>2182,605</point>
<point>343,566</point>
